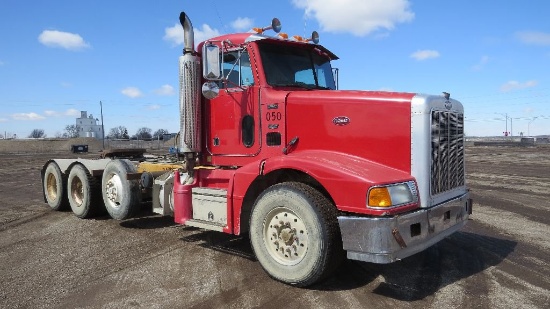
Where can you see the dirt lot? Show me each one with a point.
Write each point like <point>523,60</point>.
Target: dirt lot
<point>501,259</point>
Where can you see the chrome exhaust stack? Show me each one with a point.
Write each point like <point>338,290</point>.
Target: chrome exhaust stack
<point>189,96</point>
<point>189,72</point>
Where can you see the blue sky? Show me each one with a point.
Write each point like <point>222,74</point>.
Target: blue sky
<point>59,57</point>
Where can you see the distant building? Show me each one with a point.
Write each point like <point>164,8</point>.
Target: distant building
<point>87,126</point>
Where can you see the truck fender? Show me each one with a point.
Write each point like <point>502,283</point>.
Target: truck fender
<point>340,174</point>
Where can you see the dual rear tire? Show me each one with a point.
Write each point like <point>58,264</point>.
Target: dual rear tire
<point>88,196</point>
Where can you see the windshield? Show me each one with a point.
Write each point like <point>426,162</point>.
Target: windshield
<point>293,66</point>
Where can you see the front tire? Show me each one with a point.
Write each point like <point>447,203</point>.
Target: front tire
<point>55,185</point>
<point>295,234</point>
<point>83,192</point>
<point>120,195</point>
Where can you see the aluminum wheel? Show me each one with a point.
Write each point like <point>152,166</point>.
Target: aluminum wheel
<point>286,236</point>
<point>113,190</point>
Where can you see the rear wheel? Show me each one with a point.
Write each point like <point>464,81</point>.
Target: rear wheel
<point>295,234</point>
<point>83,192</point>
<point>54,185</point>
<point>120,195</point>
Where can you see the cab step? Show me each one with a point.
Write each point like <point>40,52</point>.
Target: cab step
<point>207,225</point>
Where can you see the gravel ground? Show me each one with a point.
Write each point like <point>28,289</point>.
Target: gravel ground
<point>53,259</point>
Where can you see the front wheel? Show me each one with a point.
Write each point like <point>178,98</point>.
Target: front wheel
<point>295,234</point>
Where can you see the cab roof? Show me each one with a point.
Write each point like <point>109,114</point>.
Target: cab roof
<point>238,39</point>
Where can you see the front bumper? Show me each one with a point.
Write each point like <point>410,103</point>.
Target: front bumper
<point>386,240</point>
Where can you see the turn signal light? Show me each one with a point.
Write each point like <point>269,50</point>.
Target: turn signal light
<point>379,197</point>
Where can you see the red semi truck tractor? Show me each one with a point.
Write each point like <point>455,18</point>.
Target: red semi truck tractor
<point>270,148</point>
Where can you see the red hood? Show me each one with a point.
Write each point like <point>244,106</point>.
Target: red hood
<point>369,124</point>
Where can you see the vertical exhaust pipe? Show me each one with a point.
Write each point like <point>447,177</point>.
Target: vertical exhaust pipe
<point>188,34</point>
<point>189,95</point>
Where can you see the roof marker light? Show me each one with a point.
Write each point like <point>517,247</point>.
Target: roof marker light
<point>283,35</point>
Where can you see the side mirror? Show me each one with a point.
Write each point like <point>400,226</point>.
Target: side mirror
<point>210,90</point>
<point>211,65</point>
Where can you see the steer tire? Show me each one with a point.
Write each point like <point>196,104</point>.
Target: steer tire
<point>121,196</point>
<point>83,192</point>
<point>54,184</point>
<point>295,234</point>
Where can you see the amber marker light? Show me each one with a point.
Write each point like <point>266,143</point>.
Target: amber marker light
<point>379,197</point>
<point>283,35</point>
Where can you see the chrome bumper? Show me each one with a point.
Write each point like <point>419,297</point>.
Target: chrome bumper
<point>386,240</point>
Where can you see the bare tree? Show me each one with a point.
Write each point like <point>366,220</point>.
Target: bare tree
<point>71,131</point>
<point>159,134</point>
<point>37,133</point>
<point>143,133</point>
<point>119,132</point>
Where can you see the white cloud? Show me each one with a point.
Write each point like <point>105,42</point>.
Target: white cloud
<point>68,113</point>
<point>175,34</point>
<point>481,64</point>
<point>425,54</point>
<point>205,33</point>
<point>358,17</point>
<point>27,116</point>
<point>67,40</point>
<point>153,107</point>
<point>515,85</point>
<point>242,23</point>
<point>72,112</point>
<point>132,92</point>
<point>534,37</point>
<point>165,90</point>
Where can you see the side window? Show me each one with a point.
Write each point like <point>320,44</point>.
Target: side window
<point>237,70</point>
<point>248,131</point>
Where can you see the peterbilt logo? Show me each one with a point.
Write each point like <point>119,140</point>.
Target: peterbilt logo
<point>448,104</point>
<point>341,120</point>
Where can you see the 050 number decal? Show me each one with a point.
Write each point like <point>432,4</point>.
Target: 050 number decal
<point>273,116</point>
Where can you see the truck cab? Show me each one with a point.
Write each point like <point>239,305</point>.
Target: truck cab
<point>377,176</point>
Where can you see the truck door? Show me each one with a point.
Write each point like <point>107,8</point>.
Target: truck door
<point>232,126</point>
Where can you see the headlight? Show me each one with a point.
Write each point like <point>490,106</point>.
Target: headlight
<point>392,195</point>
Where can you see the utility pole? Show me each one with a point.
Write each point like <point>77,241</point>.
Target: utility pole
<point>505,115</point>
<point>102,127</point>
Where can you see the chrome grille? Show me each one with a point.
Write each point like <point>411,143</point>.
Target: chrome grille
<point>447,170</point>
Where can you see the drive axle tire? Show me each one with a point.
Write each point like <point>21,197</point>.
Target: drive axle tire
<point>55,186</point>
<point>120,195</point>
<point>83,192</point>
<point>295,234</point>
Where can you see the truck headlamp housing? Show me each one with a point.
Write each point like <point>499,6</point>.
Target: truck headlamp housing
<point>392,195</point>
